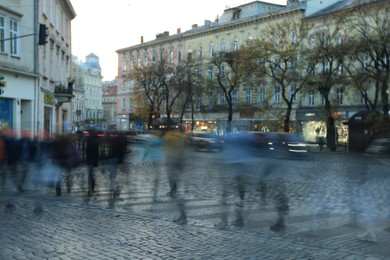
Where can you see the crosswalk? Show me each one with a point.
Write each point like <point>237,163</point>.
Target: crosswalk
<point>324,207</point>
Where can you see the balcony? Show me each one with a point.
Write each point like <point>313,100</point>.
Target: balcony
<point>63,93</point>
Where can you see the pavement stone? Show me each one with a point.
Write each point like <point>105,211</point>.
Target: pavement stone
<point>137,228</point>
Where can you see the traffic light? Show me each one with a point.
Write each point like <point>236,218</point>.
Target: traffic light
<point>43,33</point>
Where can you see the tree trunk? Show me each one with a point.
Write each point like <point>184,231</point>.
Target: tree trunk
<point>286,126</point>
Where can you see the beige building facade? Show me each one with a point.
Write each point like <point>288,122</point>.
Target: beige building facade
<point>55,67</point>
<point>238,27</point>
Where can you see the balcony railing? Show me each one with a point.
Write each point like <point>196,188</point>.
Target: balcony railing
<point>63,93</point>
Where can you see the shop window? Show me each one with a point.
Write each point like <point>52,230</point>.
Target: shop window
<point>311,98</point>
<point>6,113</point>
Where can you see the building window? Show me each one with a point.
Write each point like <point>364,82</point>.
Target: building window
<point>14,40</point>
<point>138,62</point>
<point>123,103</point>
<point>248,96</point>
<point>236,14</point>
<point>131,64</point>
<point>261,97</point>
<point>234,45</point>
<point>339,97</point>
<point>277,94</point>
<point>2,33</point>
<point>211,50</point>
<point>313,40</point>
<point>365,61</point>
<point>210,100</point>
<point>154,54</point>
<point>199,52</point>
<point>325,66</point>
<point>277,38</point>
<point>124,67</point>
<point>339,38</point>
<point>311,98</point>
<point>145,59</point>
<point>340,68</point>
<point>277,67</point>
<point>294,64</point>
<point>210,73</point>
<point>222,46</point>
<point>131,84</point>
<point>198,74</point>
<point>170,58</point>
<point>234,97</point>
<point>221,98</point>
<point>179,56</point>
<point>222,71</point>
<point>294,37</point>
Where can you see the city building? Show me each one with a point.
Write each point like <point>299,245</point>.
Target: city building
<point>87,107</point>
<point>109,103</point>
<point>54,61</point>
<point>19,70</point>
<point>35,50</point>
<point>78,101</point>
<point>266,103</point>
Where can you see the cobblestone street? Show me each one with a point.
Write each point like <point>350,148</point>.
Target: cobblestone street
<point>332,201</point>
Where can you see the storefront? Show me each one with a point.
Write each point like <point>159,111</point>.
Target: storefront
<point>6,113</point>
<point>313,124</point>
<point>48,113</point>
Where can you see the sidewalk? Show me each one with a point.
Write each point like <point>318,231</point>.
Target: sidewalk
<point>71,227</point>
<point>65,231</point>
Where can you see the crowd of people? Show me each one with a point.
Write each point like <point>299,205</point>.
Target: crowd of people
<point>49,162</point>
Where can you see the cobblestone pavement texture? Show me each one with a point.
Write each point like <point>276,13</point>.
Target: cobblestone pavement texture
<point>333,199</point>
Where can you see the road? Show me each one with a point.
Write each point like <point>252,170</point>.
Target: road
<point>333,198</point>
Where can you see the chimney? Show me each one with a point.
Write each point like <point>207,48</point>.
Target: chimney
<point>142,39</point>
<point>194,26</point>
<point>178,30</point>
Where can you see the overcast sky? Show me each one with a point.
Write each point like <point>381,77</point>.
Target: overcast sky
<point>104,26</point>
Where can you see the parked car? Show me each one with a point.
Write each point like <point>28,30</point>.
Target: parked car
<point>379,146</point>
<point>206,141</point>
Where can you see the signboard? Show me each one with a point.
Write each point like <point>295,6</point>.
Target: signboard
<point>49,99</point>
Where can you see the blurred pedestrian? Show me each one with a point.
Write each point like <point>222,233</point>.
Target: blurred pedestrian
<point>154,154</point>
<point>2,162</point>
<point>118,149</point>
<point>92,156</point>
<point>13,150</point>
<point>45,171</point>
<point>239,161</point>
<point>67,157</point>
<point>174,144</point>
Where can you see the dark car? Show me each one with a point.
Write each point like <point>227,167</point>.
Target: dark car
<point>206,141</point>
<point>280,143</point>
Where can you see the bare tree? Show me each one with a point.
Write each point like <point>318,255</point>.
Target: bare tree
<point>230,74</point>
<point>280,60</point>
<point>370,55</point>
<point>147,90</point>
<point>326,58</point>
